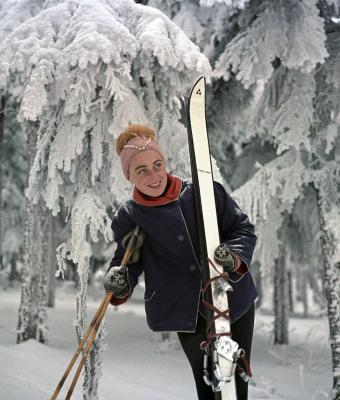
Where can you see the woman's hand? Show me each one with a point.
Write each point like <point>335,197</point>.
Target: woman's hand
<point>223,257</point>
<point>116,281</point>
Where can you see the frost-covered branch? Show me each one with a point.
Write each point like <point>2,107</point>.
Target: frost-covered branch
<point>290,31</point>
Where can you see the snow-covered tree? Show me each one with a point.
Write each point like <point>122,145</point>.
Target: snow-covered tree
<point>13,179</point>
<point>32,314</point>
<point>303,240</point>
<point>12,14</point>
<point>286,59</point>
<point>324,161</point>
<point>88,69</point>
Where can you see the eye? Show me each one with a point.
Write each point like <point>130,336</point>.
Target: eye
<point>158,165</point>
<point>142,171</point>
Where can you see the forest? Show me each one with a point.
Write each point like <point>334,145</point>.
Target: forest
<point>75,73</point>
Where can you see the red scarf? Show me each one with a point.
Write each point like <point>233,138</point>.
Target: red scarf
<point>172,192</point>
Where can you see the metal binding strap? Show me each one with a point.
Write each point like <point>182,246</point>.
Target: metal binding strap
<point>245,373</point>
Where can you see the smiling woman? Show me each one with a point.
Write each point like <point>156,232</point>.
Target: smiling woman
<point>163,206</point>
<point>143,161</point>
<point>148,173</point>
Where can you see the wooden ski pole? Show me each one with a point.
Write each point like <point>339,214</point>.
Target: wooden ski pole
<point>89,345</point>
<point>94,326</point>
<point>78,350</point>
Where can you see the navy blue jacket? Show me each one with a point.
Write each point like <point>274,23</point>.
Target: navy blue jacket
<point>170,253</point>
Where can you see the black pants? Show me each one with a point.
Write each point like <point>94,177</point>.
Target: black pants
<point>242,333</point>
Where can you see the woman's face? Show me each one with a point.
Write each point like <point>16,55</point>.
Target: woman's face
<point>148,173</point>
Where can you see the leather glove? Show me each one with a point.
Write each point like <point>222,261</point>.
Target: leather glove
<point>223,257</point>
<point>116,281</point>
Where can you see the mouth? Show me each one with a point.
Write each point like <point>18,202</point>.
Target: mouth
<point>155,185</point>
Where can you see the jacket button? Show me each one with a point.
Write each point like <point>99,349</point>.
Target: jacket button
<point>192,267</point>
<point>180,238</point>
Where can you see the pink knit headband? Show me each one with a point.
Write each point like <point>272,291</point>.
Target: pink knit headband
<point>133,147</point>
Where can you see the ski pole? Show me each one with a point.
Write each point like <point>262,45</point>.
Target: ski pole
<point>89,345</point>
<point>77,352</point>
<point>93,327</point>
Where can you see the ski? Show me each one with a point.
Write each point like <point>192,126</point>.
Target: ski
<point>221,352</point>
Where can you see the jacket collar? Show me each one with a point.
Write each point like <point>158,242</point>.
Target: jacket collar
<point>170,194</point>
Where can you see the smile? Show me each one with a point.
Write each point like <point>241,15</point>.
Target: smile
<point>155,185</point>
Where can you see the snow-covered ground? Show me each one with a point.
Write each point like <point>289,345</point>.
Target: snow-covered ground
<point>137,366</point>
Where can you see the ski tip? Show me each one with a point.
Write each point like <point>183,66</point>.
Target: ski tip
<point>199,87</point>
<point>201,79</point>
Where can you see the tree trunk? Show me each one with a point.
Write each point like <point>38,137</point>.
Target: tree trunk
<point>281,300</point>
<point>32,317</point>
<point>25,329</point>
<point>41,318</point>
<point>92,366</point>
<point>51,280</point>
<point>332,282</point>
<point>2,119</point>
<point>318,294</point>
<point>256,274</point>
<point>304,292</point>
<point>290,291</point>
<point>13,275</point>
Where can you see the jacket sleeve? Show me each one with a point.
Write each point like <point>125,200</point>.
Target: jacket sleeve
<point>121,225</point>
<point>236,231</point>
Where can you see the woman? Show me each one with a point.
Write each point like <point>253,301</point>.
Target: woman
<point>162,205</point>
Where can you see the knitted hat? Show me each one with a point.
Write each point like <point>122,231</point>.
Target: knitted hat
<point>132,141</point>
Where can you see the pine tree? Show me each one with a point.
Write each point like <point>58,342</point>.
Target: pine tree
<point>14,169</point>
<point>324,163</point>
<point>32,315</point>
<point>12,14</point>
<point>294,107</point>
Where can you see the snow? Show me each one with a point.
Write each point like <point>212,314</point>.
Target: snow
<point>136,364</point>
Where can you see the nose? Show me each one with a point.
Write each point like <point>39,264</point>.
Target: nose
<point>154,174</point>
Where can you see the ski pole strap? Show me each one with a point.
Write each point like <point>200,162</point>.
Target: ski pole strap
<point>138,236</point>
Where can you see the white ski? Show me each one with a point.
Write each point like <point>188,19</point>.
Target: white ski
<point>225,347</point>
